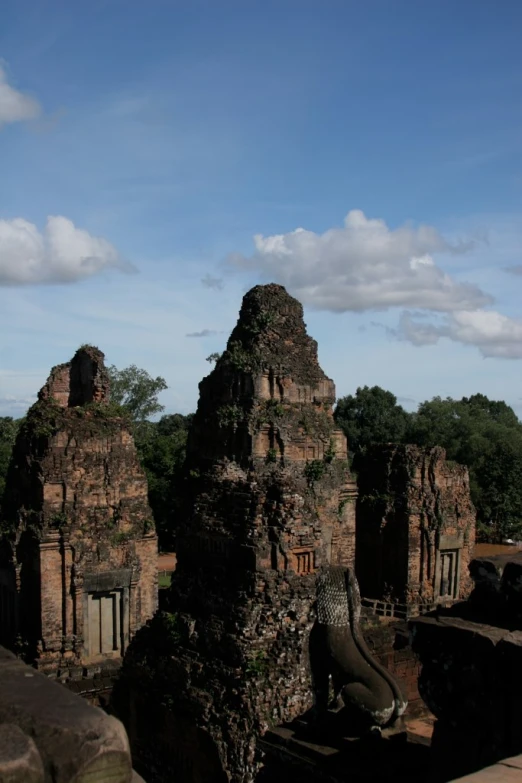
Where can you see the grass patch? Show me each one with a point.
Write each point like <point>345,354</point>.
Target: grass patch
<point>164,580</point>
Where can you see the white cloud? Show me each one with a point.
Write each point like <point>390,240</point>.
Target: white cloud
<point>514,270</point>
<point>212,282</point>
<point>203,333</point>
<point>61,254</point>
<point>494,334</point>
<point>14,105</point>
<point>364,266</point>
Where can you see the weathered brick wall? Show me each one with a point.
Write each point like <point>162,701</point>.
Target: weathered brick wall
<point>415,525</point>
<point>389,642</point>
<point>270,501</point>
<point>80,528</point>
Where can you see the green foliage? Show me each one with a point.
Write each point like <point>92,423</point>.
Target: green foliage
<point>257,665</point>
<point>241,359</point>
<point>161,448</point>
<point>164,581</point>
<point>59,520</point>
<point>136,391</point>
<point>148,526</point>
<point>213,357</point>
<point>486,436</point>
<point>43,419</point>
<point>483,434</point>
<point>314,471</point>
<point>271,456</point>
<point>8,431</point>
<point>274,408</point>
<point>262,321</point>
<point>329,454</point>
<point>372,415</point>
<point>172,626</point>
<point>315,423</point>
<point>229,415</point>
<point>121,537</point>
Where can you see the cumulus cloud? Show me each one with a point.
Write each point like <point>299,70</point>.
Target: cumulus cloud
<point>364,266</point>
<point>213,282</point>
<point>494,334</point>
<point>514,270</point>
<point>15,106</point>
<point>61,253</point>
<point>203,333</point>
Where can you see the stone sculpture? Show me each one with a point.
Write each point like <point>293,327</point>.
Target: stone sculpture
<point>366,696</point>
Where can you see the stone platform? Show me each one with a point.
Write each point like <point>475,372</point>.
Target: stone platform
<point>294,751</point>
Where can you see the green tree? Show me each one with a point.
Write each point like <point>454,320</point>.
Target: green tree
<point>162,454</point>
<point>8,431</point>
<point>372,415</point>
<point>500,502</point>
<point>486,436</point>
<point>137,391</point>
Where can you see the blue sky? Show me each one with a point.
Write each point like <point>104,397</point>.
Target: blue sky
<point>159,158</point>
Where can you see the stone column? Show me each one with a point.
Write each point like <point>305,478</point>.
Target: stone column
<point>51,592</point>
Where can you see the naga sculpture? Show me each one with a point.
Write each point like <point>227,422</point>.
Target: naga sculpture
<point>366,696</point>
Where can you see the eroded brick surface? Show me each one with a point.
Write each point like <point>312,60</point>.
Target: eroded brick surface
<point>81,565</point>
<point>415,526</point>
<point>271,500</point>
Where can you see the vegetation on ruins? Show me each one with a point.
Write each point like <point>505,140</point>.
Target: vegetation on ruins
<point>257,664</point>
<point>8,430</point>
<point>229,415</point>
<point>483,434</point>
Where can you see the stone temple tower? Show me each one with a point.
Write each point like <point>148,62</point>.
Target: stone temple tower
<point>270,501</point>
<point>78,560</point>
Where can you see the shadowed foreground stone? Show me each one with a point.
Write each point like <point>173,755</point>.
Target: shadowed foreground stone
<point>471,658</point>
<point>20,761</point>
<point>76,742</point>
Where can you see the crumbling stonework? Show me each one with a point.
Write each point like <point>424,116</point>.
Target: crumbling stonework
<point>79,551</point>
<point>271,501</point>
<point>415,526</point>
<point>471,656</point>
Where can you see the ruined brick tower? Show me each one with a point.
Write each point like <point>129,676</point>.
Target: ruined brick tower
<point>415,526</point>
<point>79,550</point>
<point>271,501</point>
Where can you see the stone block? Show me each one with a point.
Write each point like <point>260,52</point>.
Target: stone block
<point>20,760</point>
<point>75,741</point>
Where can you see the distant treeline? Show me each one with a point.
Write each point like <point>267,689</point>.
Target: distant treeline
<point>483,434</point>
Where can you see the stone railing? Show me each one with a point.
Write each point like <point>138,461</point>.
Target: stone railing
<point>49,734</point>
<point>375,607</point>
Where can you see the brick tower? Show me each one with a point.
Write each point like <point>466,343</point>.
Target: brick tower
<point>270,502</point>
<point>79,554</point>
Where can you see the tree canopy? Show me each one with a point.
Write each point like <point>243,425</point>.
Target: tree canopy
<point>137,391</point>
<point>483,434</point>
<point>372,415</point>
<point>8,430</point>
